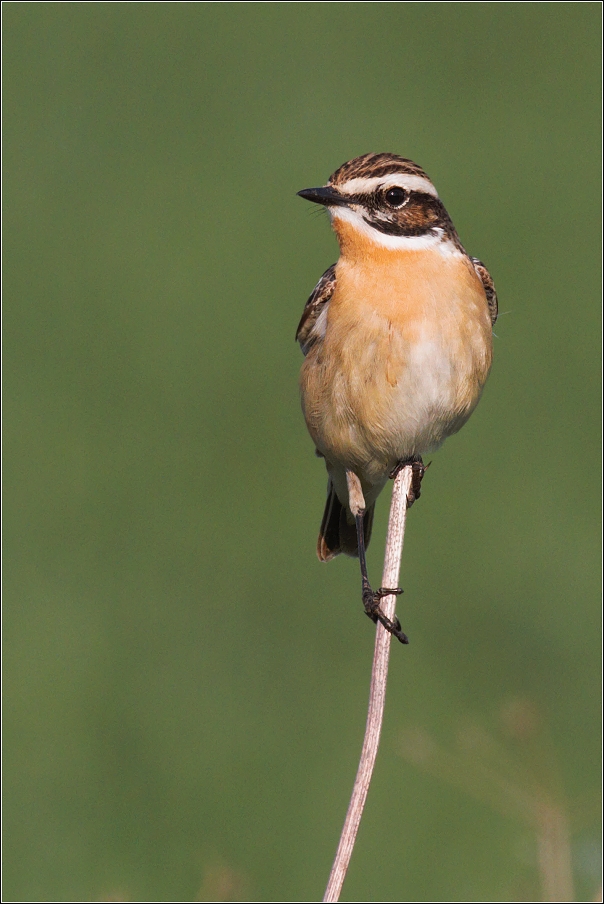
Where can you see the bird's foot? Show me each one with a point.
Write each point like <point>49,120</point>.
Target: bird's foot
<point>418,469</point>
<point>371,602</point>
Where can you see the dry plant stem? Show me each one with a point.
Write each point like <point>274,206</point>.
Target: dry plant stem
<point>554,849</point>
<point>377,693</point>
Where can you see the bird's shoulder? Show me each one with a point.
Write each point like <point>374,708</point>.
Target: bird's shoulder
<point>488,285</point>
<point>311,327</point>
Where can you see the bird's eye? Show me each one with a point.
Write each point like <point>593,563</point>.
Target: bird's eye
<point>396,197</point>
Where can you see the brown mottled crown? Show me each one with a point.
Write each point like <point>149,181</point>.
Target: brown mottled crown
<point>370,165</point>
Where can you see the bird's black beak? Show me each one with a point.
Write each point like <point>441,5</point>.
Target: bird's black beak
<point>324,195</point>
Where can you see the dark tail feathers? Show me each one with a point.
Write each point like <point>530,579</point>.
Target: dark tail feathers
<point>336,534</point>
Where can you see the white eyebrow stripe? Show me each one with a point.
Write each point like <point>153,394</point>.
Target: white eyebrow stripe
<point>435,241</point>
<point>401,180</point>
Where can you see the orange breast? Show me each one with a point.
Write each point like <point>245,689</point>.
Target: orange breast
<point>406,352</point>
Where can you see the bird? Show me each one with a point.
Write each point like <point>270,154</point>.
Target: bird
<point>397,343</point>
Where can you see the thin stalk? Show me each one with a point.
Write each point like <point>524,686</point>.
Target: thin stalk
<point>377,693</point>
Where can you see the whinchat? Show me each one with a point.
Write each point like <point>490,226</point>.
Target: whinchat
<point>397,338</point>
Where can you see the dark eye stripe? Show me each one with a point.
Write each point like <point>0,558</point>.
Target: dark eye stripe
<point>421,214</point>
<point>375,200</point>
<point>390,228</point>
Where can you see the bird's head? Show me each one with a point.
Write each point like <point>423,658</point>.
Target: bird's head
<point>387,200</point>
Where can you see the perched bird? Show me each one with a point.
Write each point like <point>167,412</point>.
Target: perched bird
<point>397,338</point>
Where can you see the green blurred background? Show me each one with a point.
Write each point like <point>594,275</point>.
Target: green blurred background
<point>185,685</point>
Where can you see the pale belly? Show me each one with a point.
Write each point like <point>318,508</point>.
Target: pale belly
<point>377,390</point>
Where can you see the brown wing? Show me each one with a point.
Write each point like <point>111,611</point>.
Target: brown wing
<point>489,287</point>
<point>306,334</point>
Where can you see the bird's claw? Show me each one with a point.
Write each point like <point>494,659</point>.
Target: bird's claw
<point>371,602</point>
<point>418,469</point>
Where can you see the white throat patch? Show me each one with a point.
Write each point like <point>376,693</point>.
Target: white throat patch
<point>435,240</point>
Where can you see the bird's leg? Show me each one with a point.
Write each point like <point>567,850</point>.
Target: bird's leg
<point>371,598</point>
<point>418,469</point>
